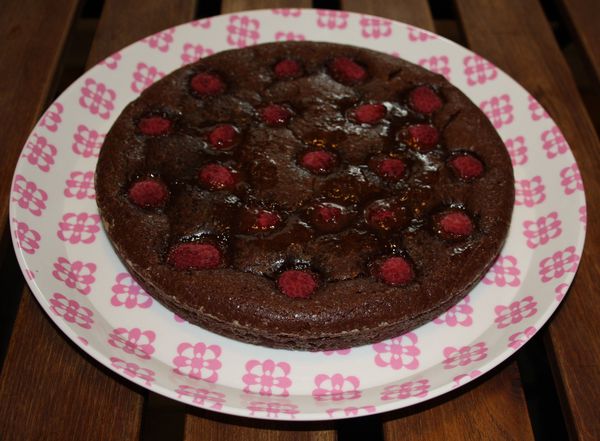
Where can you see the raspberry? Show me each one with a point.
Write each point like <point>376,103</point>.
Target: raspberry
<point>327,214</point>
<point>391,168</point>
<point>296,283</point>
<point>347,71</point>
<point>207,84</point>
<point>454,224</point>
<point>194,255</point>
<point>223,137</point>
<point>154,125</point>
<point>369,113</point>
<point>422,137</point>
<point>148,193</point>
<point>266,220</point>
<point>217,177</point>
<point>467,166</point>
<point>396,271</point>
<point>382,218</point>
<point>287,69</point>
<point>423,99</point>
<point>318,161</point>
<point>275,115</point>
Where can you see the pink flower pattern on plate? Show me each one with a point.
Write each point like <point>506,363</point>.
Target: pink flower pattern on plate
<point>198,361</point>
<point>71,311</point>
<point>28,239</point>
<point>461,379</point>
<point>134,341</point>
<point>269,409</point>
<point>571,179</point>
<point>559,263</point>
<point>112,61</point>
<point>204,23</point>
<point>97,98</point>
<point>338,352</point>
<point>537,111</point>
<point>529,192</point>
<point>554,142</point>
<point>76,275</point>
<point>561,291</point>
<point>332,19</point>
<point>288,36</point>
<point>517,150</point>
<point>267,378</point>
<point>78,228</point>
<point>518,339</point>
<point>540,231</point>
<point>408,389</point>
<point>515,312</point>
<point>80,185</point>
<point>464,355</point>
<point>499,110</point>
<point>39,152</point>
<point>87,142</point>
<point>193,52</point>
<point>459,314</point>
<point>420,35</point>
<point>242,31</point>
<point>202,397</point>
<point>144,77</point>
<point>29,196</point>
<point>438,64</point>
<point>583,215</point>
<point>375,27</point>
<point>478,70</point>
<point>336,387</point>
<point>51,118</point>
<point>504,272</point>
<point>398,352</point>
<point>351,411</point>
<point>133,370</point>
<point>287,12</point>
<point>128,293</point>
<point>161,40</point>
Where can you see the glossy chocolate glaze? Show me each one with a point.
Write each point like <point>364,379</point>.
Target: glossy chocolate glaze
<point>351,306</point>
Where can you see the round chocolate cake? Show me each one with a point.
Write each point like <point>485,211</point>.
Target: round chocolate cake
<point>305,195</point>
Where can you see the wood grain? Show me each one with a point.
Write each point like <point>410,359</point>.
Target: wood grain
<point>245,5</point>
<point>517,37</point>
<point>415,12</point>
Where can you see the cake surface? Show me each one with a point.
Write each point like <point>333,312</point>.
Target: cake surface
<point>305,195</point>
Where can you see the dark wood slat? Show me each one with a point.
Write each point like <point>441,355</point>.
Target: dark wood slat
<point>517,37</point>
<point>415,12</point>
<point>245,5</point>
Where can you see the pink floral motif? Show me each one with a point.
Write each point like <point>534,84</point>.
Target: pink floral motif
<point>332,19</point>
<point>272,409</point>
<point>178,319</point>
<point>51,118</point>
<point>78,227</point>
<point>415,34</point>
<point>71,311</point>
<point>202,397</point>
<point>39,152</point>
<point>583,214</point>
<point>160,40</point>
<point>112,61</point>
<point>351,411</point>
<point>97,98</point>
<point>336,387</point>
<point>29,274</point>
<point>76,275</point>
<point>80,185</point>
<point>571,179</point>
<point>135,341</point>
<point>504,272</point>
<point>399,352</point>
<point>287,12</point>
<point>375,27</point>
<point>499,110</point>
<point>461,379</point>
<point>242,31</point>
<point>132,370</point>
<point>267,378</point>
<point>464,355</point>
<point>202,23</point>
<point>459,314</point>
<point>83,341</point>
<point>515,312</point>
<point>29,196</point>
<point>193,52</point>
<point>529,192</point>
<point>561,291</point>
<point>554,142</point>
<point>288,36</point>
<point>27,238</point>
<point>478,70</point>
<point>127,292</point>
<point>559,263</point>
<point>198,361</point>
<point>517,150</point>
<point>518,339</point>
<point>144,77</point>
<point>540,231</point>
<point>338,352</point>
<point>438,64</point>
<point>87,142</point>
<point>537,111</point>
<point>408,389</point>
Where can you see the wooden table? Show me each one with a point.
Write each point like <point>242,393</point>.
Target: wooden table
<point>49,389</point>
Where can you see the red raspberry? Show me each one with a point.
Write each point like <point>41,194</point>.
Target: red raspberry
<point>318,161</point>
<point>347,71</point>
<point>265,220</point>
<point>287,69</point>
<point>369,113</point>
<point>207,84</point>
<point>275,115</point>
<point>391,168</point>
<point>217,177</point>
<point>396,271</point>
<point>423,99</point>
<point>194,255</point>
<point>327,214</point>
<point>422,137</point>
<point>467,166</point>
<point>154,125</point>
<point>454,224</point>
<point>383,218</point>
<point>296,283</point>
<point>223,137</point>
<point>148,193</point>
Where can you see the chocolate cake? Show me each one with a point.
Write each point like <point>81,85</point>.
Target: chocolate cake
<point>305,195</point>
